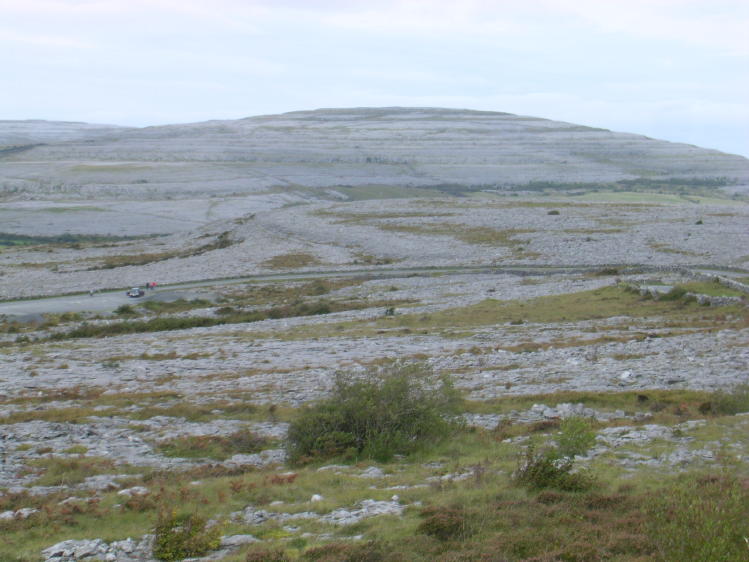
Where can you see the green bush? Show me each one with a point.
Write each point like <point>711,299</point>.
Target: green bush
<point>183,536</point>
<point>548,469</point>
<point>386,412</point>
<point>576,437</point>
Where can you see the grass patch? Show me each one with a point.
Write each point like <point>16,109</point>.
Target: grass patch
<point>667,249</point>
<point>471,235</point>
<point>291,261</point>
<point>8,239</point>
<point>167,323</point>
<point>179,305</point>
<point>701,519</point>
<point>70,471</point>
<point>595,304</point>
<point>608,401</point>
<point>221,241</point>
<point>712,288</point>
<point>647,515</point>
<point>217,447</point>
<point>728,402</point>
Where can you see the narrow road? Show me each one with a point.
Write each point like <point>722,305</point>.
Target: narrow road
<point>108,301</point>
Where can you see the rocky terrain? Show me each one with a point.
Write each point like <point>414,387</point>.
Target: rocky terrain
<point>290,249</point>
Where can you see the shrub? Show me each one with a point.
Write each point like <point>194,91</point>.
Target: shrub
<point>396,409</point>
<point>576,437</point>
<point>547,469</point>
<point>183,536</point>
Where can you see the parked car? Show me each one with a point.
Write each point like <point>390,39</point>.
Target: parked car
<point>135,292</point>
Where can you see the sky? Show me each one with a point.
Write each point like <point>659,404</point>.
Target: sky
<point>670,69</point>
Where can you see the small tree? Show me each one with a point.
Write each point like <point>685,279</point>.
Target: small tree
<point>385,412</point>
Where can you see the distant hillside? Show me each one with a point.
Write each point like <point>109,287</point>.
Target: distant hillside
<point>36,131</point>
<point>316,151</point>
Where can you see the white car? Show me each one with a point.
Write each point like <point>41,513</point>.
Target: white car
<point>135,292</point>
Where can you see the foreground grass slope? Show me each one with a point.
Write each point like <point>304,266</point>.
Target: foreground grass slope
<point>465,496</point>
<point>484,472</point>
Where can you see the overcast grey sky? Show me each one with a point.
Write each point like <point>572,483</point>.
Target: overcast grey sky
<point>670,69</point>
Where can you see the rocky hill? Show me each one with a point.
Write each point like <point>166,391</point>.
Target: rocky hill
<point>37,131</point>
<point>314,152</point>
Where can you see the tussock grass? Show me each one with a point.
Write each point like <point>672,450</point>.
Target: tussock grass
<point>606,302</point>
<point>170,323</point>
<point>218,447</point>
<point>69,471</point>
<point>713,288</point>
<point>179,305</point>
<point>484,516</point>
<point>221,241</point>
<point>291,261</point>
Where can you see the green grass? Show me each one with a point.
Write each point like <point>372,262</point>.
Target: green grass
<point>364,193</point>
<point>217,447</point>
<point>470,235</point>
<point>627,515</point>
<point>72,209</point>
<point>291,261</point>
<point>594,304</point>
<point>69,471</point>
<point>170,323</point>
<point>9,239</point>
<point>221,241</point>
<point>179,305</point>
<point>713,289</point>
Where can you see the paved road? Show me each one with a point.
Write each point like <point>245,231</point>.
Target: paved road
<point>108,301</point>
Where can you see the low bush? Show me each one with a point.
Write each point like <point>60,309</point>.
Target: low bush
<point>539,469</point>
<point>183,536</point>
<point>576,436</point>
<point>388,411</point>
